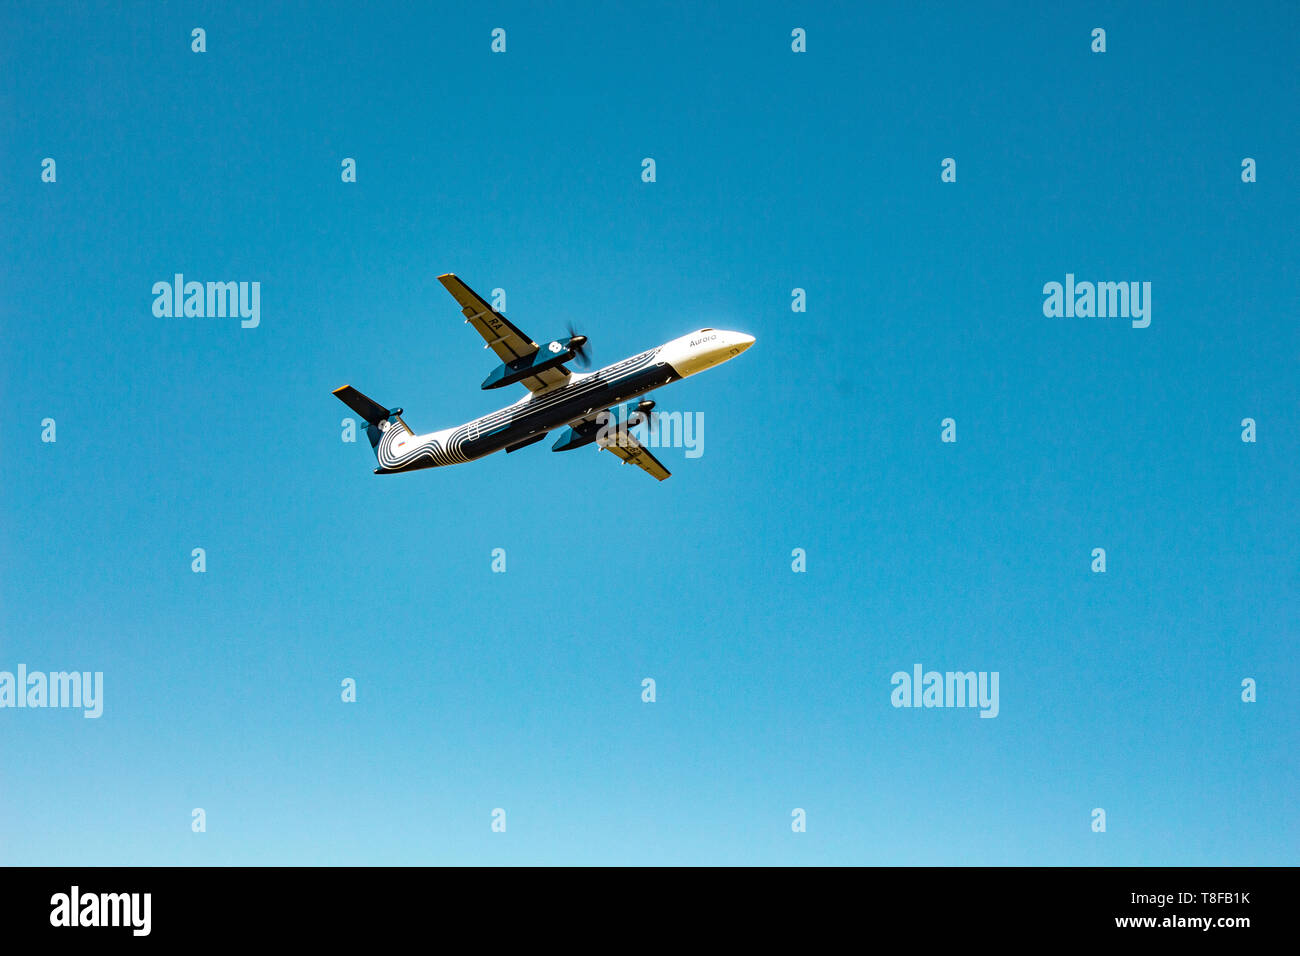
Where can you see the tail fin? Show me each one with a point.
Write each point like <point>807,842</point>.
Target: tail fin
<point>377,417</point>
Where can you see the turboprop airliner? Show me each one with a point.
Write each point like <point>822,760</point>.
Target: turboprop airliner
<point>590,407</point>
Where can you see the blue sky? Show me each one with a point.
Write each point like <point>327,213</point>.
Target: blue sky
<point>522,690</point>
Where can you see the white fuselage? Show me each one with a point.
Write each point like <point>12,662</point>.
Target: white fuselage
<point>573,400</point>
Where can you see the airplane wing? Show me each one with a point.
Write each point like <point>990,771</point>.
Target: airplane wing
<point>624,444</point>
<point>500,334</point>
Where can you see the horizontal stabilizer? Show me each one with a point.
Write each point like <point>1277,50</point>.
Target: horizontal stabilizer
<point>371,411</point>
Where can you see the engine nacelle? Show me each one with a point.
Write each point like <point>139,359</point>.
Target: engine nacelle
<point>548,356</point>
<point>571,437</point>
<point>640,412</point>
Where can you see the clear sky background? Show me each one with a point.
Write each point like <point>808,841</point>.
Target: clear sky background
<point>522,690</point>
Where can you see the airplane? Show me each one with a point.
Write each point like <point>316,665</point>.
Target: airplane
<point>583,404</point>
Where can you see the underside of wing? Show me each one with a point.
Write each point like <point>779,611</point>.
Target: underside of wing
<point>624,444</point>
<point>500,334</point>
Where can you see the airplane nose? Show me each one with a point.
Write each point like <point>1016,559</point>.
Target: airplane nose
<point>704,349</point>
<point>737,342</point>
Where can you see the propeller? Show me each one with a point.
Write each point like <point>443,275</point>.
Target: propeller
<point>578,343</point>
